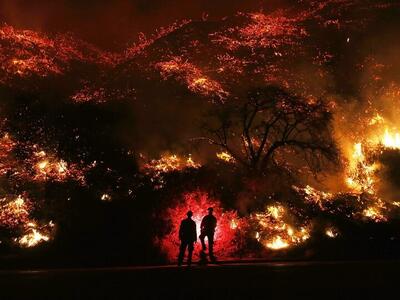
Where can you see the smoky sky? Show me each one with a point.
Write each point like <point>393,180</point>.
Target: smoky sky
<point>114,24</point>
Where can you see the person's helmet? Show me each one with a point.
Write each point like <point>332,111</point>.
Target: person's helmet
<point>210,209</point>
<point>189,213</point>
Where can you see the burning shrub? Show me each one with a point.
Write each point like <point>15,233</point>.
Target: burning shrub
<point>275,232</point>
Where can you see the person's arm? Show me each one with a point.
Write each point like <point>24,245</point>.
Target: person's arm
<point>202,223</point>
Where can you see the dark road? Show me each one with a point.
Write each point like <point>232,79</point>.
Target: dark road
<point>338,280</point>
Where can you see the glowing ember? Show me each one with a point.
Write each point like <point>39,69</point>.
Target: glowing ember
<point>48,167</point>
<point>192,76</point>
<point>145,42</point>
<point>15,212</point>
<point>234,224</point>
<point>105,197</point>
<point>314,196</point>
<point>25,53</point>
<point>167,163</point>
<point>32,238</point>
<point>225,156</point>
<point>331,232</point>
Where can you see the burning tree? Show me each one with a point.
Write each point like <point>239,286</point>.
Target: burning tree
<point>269,124</point>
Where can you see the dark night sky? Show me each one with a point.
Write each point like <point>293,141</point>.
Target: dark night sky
<point>112,24</point>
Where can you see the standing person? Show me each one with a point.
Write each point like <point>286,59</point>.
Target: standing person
<point>187,236</point>
<point>208,225</point>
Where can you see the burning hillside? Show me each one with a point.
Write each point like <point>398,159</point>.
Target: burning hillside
<point>26,53</point>
<point>284,121</point>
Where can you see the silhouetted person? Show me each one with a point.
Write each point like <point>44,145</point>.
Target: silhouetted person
<point>208,225</point>
<point>187,236</point>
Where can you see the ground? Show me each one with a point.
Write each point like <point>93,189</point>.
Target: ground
<point>280,280</point>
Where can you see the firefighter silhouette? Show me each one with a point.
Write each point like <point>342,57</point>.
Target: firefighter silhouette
<point>187,236</point>
<point>208,225</point>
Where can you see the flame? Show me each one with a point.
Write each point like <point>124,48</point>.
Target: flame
<point>375,214</point>
<point>360,176</point>
<point>277,243</point>
<point>391,140</point>
<point>105,197</point>
<point>26,52</point>
<point>331,232</point>
<point>33,238</point>
<point>234,224</point>
<point>49,167</point>
<point>170,162</point>
<point>225,156</point>
<point>274,232</point>
<point>15,212</point>
<point>313,195</point>
<point>156,168</point>
<point>377,119</point>
<point>192,76</point>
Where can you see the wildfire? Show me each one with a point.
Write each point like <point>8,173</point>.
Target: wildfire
<point>277,243</point>
<point>377,119</point>
<point>260,48</point>
<point>145,41</point>
<point>331,232</point>
<point>156,168</point>
<point>33,237</point>
<point>38,166</point>
<point>375,214</point>
<point>313,195</point>
<point>171,162</point>
<point>274,232</point>
<point>105,197</point>
<point>360,172</point>
<point>391,140</point>
<point>234,224</point>
<point>192,76</point>
<point>25,53</point>
<point>225,156</point>
<point>15,212</point>
<point>48,167</point>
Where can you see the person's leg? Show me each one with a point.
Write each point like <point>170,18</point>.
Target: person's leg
<point>182,250</point>
<point>210,238</point>
<point>190,253</point>
<point>203,245</point>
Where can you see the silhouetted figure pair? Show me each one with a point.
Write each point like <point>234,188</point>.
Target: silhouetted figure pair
<point>187,236</point>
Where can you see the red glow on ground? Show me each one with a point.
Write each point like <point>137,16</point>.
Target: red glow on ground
<point>227,227</point>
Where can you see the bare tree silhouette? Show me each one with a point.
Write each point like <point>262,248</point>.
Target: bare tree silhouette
<point>252,130</point>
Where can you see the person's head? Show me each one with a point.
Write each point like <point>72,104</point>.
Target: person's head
<point>210,210</point>
<point>189,214</point>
